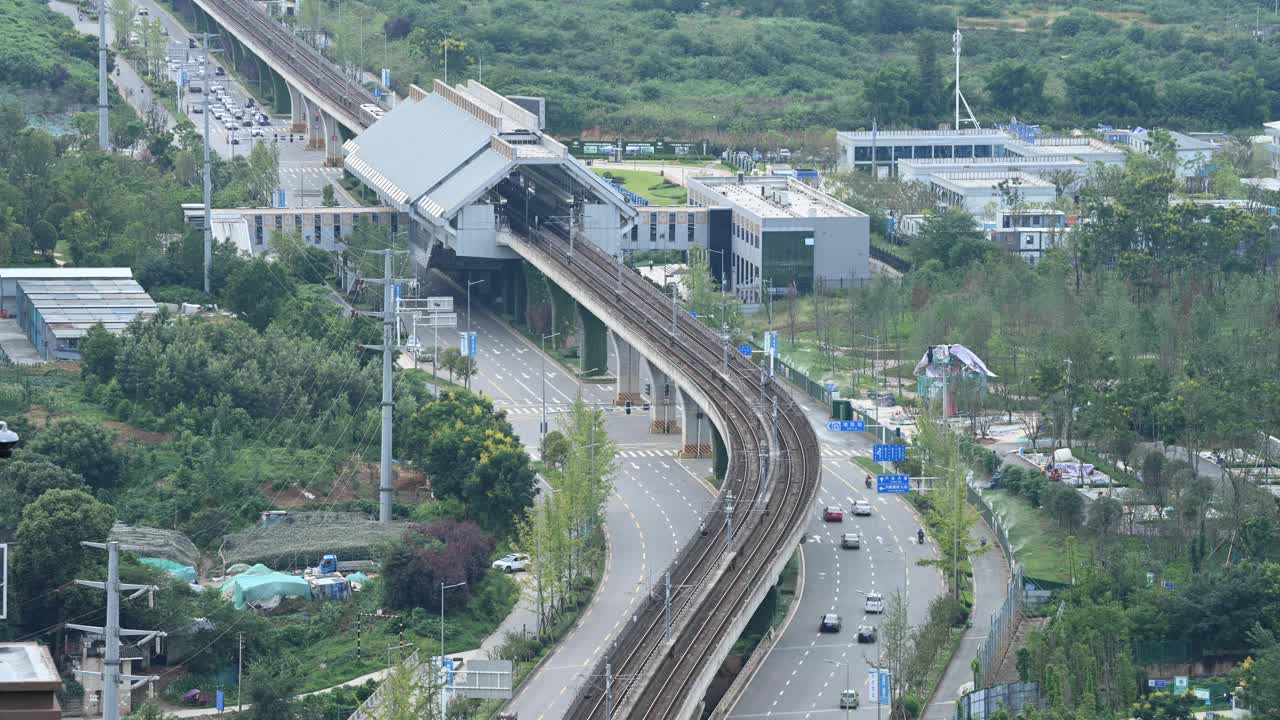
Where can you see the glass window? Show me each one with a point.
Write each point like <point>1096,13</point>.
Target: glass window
<point>635,234</point>
<point>982,151</point>
<point>942,151</point>
<point>884,153</point>
<point>691,228</point>
<point>316,240</point>
<point>375,217</point>
<point>964,151</point>
<point>653,233</point>
<point>924,152</point>
<point>902,152</point>
<point>395,222</point>
<point>862,154</point>
<point>671,228</point>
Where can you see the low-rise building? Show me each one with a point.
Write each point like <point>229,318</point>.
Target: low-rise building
<point>781,232</point>
<point>1030,233</point>
<point>861,149</point>
<point>251,229</point>
<point>986,193</point>
<point>56,313</point>
<point>10,277</point>
<point>29,682</point>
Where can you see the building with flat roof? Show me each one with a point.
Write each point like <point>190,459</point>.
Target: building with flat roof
<point>9,278</point>
<point>979,193</point>
<point>887,147</point>
<point>782,231</point>
<point>56,313</point>
<point>1039,165</point>
<point>29,682</point>
<point>978,146</point>
<point>251,229</point>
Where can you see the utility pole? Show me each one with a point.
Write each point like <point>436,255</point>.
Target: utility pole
<point>104,143</point>
<point>874,137</point>
<point>386,492</point>
<point>728,519</point>
<point>673,309</point>
<point>110,674</point>
<point>608,691</point>
<point>239,672</point>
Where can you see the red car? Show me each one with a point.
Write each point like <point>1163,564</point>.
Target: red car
<point>833,514</point>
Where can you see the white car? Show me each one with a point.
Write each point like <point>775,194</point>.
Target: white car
<point>875,603</point>
<point>862,507</point>
<point>257,132</point>
<point>512,563</point>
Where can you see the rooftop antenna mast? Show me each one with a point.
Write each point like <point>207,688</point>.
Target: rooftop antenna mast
<point>955,48</point>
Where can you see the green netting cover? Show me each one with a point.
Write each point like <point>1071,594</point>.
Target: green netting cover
<point>177,569</point>
<point>260,583</point>
<point>358,577</point>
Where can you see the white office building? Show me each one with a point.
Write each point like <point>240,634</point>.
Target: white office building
<point>979,192</point>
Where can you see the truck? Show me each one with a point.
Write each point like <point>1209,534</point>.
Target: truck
<point>330,564</point>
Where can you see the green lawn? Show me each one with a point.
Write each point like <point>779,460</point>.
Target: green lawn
<point>648,185</point>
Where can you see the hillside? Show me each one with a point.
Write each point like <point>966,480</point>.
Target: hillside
<point>744,69</point>
<point>41,53</point>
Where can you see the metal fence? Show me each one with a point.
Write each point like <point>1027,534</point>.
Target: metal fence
<point>1010,697</point>
<point>1004,621</point>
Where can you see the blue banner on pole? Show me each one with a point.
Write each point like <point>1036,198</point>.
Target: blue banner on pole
<point>471,342</point>
<point>220,701</point>
<point>386,77</point>
<point>893,484</point>
<point>745,350</point>
<point>889,453</point>
<point>884,687</point>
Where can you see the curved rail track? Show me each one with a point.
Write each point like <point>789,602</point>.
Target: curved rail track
<point>773,474</point>
<point>322,78</point>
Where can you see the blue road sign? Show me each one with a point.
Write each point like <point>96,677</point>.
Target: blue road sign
<point>693,313</point>
<point>280,199</point>
<point>1168,584</point>
<point>893,484</point>
<point>377,91</point>
<point>889,453</point>
<point>386,77</point>
<point>833,425</point>
<point>745,350</point>
<point>472,345</point>
<point>853,426</point>
<point>831,387</point>
<point>1158,683</point>
<point>773,341</point>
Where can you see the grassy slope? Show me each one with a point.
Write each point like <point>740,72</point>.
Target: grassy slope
<point>32,44</point>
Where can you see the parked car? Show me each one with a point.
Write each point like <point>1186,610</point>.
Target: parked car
<point>830,623</point>
<point>874,604</point>
<point>866,634</point>
<point>833,514</point>
<point>862,507</point>
<point>851,541</point>
<point>512,563</point>
<point>849,700</point>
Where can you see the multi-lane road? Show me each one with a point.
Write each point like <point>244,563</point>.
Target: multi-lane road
<point>303,174</point>
<point>657,502</point>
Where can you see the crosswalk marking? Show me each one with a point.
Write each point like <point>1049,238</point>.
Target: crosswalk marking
<point>836,453</point>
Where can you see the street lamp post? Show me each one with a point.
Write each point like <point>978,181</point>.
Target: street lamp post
<point>845,663</point>
<point>543,428</point>
<point>469,284</point>
<point>443,588</point>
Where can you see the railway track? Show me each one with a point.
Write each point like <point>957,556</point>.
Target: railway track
<point>324,80</point>
<point>769,505</point>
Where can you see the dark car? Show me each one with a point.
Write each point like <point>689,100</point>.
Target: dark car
<point>830,623</point>
<point>851,541</point>
<point>866,634</point>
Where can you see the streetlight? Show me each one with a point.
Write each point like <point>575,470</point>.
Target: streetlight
<point>955,540</point>
<point>444,587</point>
<point>845,663</point>
<point>469,284</point>
<point>545,338</point>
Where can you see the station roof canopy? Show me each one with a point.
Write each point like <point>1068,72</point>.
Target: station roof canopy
<point>437,152</point>
<point>70,307</point>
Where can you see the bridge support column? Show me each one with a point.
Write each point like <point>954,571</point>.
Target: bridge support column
<point>663,417</point>
<point>696,438</point>
<point>332,140</point>
<point>514,293</point>
<point>297,111</point>
<point>627,370</point>
<point>315,133</point>
<point>594,344</point>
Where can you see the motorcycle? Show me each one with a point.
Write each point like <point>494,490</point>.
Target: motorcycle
<point>868,482</point>
<point>920,537</point>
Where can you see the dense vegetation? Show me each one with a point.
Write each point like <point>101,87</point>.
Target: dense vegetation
<point>752,71</point>
<point>41,52</point>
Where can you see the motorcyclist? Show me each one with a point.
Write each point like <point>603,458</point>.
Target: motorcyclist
<point>868,480</point>
<point>920,536</point>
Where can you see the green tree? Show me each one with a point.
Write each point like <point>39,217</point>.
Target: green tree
<point>256,289</point>
<point>1165,706</point>
<point>49,554</point>
<point>84,448</point>
<point>270,684</point>
<point>555,450</point>
<point>327,196</point>
<point>263,174</point>
<point>98,350</point>
<point>952,238</point>
<point>120,13</point>
<point>407,694</point>
<point>1016,87</point>
<point>27,477</point>
<point>502,486</point>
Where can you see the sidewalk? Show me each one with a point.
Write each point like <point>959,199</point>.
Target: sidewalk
<point>990,579</point>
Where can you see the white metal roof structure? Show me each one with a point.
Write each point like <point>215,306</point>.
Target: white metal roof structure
<point>70,307</point>
<point>438,152</point>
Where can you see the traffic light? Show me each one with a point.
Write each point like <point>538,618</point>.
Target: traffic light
<point>628,406</point>
<point>647,390</point>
